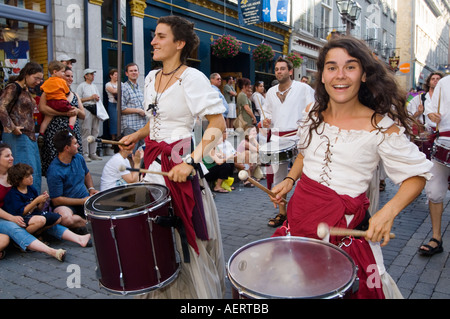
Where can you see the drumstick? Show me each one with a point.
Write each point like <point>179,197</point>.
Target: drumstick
<point>289,134</point>
<point>439,108</point>
<point>323,230</point>
<point>146,171</point>
<point>91,139</point>
<point>260,106</point>
<point>141,170</point>
<point>243,176</point>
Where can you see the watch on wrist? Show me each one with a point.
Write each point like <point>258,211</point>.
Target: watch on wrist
<point>189,160</point>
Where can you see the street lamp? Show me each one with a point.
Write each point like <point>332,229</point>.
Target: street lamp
<point>350,12</point>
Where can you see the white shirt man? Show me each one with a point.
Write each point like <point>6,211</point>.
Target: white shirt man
<point>419,106</point>
<point>285,103</point>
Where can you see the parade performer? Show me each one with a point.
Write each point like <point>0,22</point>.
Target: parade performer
<point>343,137</point>
<point>437,187</point>
<point>173,97</point>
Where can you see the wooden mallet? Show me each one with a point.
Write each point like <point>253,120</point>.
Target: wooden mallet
<point>91,139</point>
<point>323,230</point>
<point>146,171</point>
<point>243,176</point>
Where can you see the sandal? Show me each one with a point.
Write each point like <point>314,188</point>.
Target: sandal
<point>431,250</point>
<point>220,190</point>
<point>249,185</point>
<point>277,221</point>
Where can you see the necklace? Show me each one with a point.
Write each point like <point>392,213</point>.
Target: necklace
<point>154,105</point>
<point>282,93</point>
<point>172,72</point>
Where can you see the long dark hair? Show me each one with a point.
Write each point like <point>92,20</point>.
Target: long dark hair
<point>183,30</point>
<point>29,69</point>
<point>380,92</point>
<point>4,146</point>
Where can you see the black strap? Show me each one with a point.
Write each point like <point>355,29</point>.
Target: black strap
<point>176,222</point>
<point>423,97</point>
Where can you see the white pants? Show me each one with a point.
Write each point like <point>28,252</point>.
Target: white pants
<point>436,188</point>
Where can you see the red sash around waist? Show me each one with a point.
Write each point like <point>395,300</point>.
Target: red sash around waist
<point>183,197</point>
<point>313,203</point>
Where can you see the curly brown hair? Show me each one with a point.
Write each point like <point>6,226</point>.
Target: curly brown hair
<point>18,172</point>
<point>380,92</point>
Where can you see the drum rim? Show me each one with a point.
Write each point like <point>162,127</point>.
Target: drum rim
<point>264,151</point>
<point>123,214</point>
<point>143,290</point>
<point>442,138</point>
<point>249,293</point>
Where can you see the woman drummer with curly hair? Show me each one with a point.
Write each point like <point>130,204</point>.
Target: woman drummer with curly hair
<point>358,120</point>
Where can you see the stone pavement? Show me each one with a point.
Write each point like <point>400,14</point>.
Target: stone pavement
<point>243,217</point>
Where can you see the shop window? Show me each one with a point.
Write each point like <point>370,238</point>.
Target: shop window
<point>21,42</point>
<point>109,21</point>
<point>34,5</point>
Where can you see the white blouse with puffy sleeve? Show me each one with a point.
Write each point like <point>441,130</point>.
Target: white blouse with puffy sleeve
<point>191,96</point>
<point>345,160</point>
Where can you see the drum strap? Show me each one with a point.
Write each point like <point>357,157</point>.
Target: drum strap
<point>176,222</point>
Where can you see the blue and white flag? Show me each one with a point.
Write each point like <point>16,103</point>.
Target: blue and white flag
<point>275,10</point>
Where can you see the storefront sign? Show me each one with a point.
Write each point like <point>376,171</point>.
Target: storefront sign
<point>249,11</point>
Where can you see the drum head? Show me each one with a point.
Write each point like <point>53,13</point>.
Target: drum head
<point>279,145</point>
<point>127,199</point>
<point>291,267</point>
<point>443,141</point>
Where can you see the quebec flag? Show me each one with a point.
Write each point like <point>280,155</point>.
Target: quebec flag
<point>274,10</point>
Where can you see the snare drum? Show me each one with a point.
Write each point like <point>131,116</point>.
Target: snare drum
<point>134,253</point>
<point>291,267</point>
<point>441,149</point>
<point>278,151</point>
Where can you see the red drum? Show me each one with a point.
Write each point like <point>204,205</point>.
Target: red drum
<point>291,267</point>
<point>135,254</point>
<point>441,150</point>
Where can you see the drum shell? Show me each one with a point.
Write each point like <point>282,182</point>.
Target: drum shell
<point>441,151</point>
<point>276,153</point>
<point>309,259</point>
<point>425,145</point>
<point>128,261</point>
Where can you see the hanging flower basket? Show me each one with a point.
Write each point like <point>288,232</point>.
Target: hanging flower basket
<point>225,46</point>
<point>295,58</point>
<point>263,53</point>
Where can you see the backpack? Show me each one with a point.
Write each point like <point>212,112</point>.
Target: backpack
<point>11,104</point>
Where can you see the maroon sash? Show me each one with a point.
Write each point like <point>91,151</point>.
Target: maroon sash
<point>182,194</point>
<point>313,203</point>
